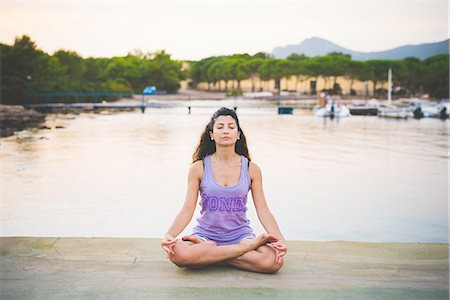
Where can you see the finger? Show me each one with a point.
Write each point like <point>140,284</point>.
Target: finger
<point>278,258</point>
<point>281,248</point>
<point>167,248</point>
<point>277,254</point>
<point>192,238</point>
<point>167,243</point>
<point>280,255</point>
<point>276,246</point>
<point>170,251</point>
<point>276,249</point>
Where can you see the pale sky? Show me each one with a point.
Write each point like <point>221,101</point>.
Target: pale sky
<point>193,30</point>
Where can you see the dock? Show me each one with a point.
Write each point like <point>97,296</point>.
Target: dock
<point>94,107</point>
<point>136,268</point>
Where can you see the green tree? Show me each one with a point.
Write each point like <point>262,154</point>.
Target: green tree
<point>218,70</point>
<point>273,69</point>
<point>252,66</point>
<point>262,55</point>
<point>164,72</point>
<point>238,70</point>
<point>437,76</point>
<point>72,63</point>
<point>338,64</point>
<point>377,71</point>
<point>300,71</point>
<point>411,75</point>
<point>27,70</point>
<point>355,71</point>
<point>297,57</point>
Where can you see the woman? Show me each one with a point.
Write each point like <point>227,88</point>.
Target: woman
<point>223,174</point>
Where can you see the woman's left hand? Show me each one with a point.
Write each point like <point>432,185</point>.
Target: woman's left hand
<point>280,249</point>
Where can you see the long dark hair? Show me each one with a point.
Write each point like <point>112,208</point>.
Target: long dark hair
<point>207,146</point>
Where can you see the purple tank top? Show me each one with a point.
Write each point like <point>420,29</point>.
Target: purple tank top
<point>223,216</point>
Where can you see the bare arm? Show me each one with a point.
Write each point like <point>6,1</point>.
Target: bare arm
<point>264,215</point>
<point>185,215</point>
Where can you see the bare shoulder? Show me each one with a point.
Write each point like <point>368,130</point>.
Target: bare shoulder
<point>254,170</point>
<point>196,170</point>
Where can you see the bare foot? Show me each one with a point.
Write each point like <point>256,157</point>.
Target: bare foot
<point>192,238</point>
<point>263,238</point>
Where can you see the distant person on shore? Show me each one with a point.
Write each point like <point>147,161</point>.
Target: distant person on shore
<point>223,174</point>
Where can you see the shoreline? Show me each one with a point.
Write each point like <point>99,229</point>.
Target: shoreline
<point>159,238</point>
<point>17,118</point>
<point>136,267</point>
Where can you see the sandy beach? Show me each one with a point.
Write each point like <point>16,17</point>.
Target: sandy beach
<point>124,268</point>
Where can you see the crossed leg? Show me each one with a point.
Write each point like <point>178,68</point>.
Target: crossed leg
<point>249,254</point>
<point>261,260</point>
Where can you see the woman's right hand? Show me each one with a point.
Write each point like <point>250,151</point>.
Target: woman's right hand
<point>167,244</point>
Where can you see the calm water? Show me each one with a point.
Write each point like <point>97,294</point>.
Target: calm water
<point>125,175</point>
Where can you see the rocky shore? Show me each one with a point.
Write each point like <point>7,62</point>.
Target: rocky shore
<point>15,118</point>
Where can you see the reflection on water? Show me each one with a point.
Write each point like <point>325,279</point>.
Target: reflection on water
<point>124,175</point>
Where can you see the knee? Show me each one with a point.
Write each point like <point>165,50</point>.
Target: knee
<point>270,266</point>
<point>184,257</point>
<point>181,257</point>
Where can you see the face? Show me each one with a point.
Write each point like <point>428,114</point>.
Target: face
<point>225,131</point>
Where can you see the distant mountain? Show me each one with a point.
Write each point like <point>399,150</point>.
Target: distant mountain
<point>318,47</point>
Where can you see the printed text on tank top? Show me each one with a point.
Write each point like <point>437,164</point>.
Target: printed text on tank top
<point>223,208</point>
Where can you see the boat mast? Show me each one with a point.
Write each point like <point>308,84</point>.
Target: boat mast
<point>389,86</point>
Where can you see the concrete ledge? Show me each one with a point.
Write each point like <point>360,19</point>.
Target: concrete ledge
<point>74,268</point>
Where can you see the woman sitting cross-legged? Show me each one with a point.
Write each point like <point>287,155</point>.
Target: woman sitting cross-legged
<point>223,175</point>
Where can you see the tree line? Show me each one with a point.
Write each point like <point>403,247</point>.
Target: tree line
<point>27,70</point>
<point>411,75</point>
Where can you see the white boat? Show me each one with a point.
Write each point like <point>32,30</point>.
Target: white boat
<point>436,110</point>
<point>258,94</point>
<point>431,111</point>
<point>395,112</point>
<point>332,110</point>
<point>426,109</point>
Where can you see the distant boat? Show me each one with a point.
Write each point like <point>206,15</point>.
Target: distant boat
<point>426,109</point>
<point>261,94</point>
<point>444,110</point>
<point>365,109</point>
<point>395,112</point>
<point>332,110</point>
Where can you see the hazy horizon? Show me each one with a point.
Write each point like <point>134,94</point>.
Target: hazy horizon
<point>191,30</point>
